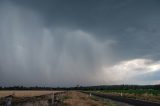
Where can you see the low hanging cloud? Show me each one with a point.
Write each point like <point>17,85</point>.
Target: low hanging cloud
<point>132,71</point>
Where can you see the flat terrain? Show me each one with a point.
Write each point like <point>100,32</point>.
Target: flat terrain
<point>147,95</point>
<point>127,99</point>
<point>26,93</point>
<point>74,98</point>
<point>69,98</point>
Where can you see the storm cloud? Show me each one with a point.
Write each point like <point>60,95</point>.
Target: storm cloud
<point>85,42</point>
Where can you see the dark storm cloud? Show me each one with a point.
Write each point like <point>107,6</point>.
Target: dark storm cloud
<point>69,42</point>
<point>127,21</point>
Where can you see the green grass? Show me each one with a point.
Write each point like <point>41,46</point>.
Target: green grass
<point>137,91</point>
<point>66,97</point>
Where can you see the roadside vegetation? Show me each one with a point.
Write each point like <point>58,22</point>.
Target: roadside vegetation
<point>141,94</point>
<point>105,102</point>
<point>74,98</point>
<point>135,91</point>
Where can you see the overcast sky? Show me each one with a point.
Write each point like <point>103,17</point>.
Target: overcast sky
<point>79,42</point>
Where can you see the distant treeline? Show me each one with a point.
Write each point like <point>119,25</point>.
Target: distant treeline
<point>29,88</point>
<point>121,87</point>
<point>102,87</point>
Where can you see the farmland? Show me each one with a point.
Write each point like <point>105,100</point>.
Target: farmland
<point>72,97</point>
<point>34,98</point>
<point>86,96</point>
<point>24,93</point>
<point>28,97</point>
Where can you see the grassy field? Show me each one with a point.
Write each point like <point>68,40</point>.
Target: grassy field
<point>137,91</point>
<point>27,93</point>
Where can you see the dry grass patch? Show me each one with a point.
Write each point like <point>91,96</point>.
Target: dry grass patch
<point>28,93</point>
<point>81,99</point>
